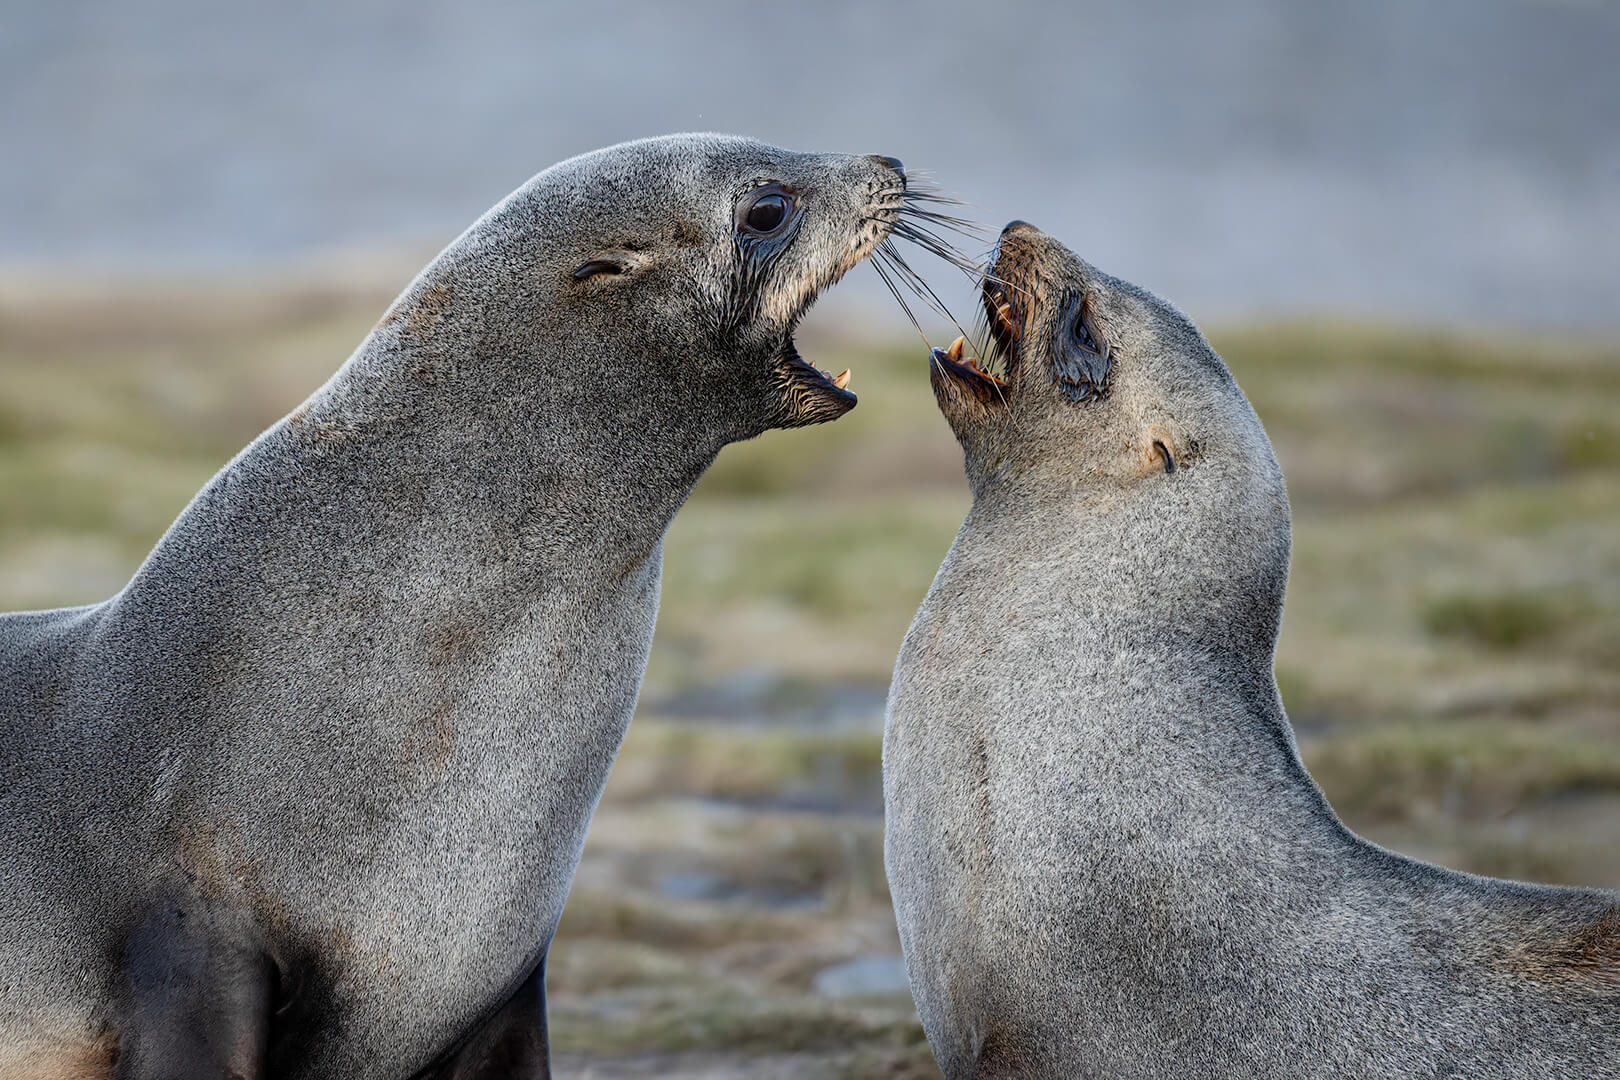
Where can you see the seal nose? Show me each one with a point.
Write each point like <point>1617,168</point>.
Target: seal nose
<point>1015,224</point>
<point>892,162</point>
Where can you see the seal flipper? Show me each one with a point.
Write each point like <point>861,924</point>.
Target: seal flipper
<point>200,1000</point>
<point>510,1045</point>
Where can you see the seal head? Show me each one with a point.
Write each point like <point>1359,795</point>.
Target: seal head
<point>1083,368</point>
<point>1099,397</point>
<point>679,266</point>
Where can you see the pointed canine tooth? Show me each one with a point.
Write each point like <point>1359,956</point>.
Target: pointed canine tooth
<point>955,349</point>
<point>1005,311</point>
<point>842,380</point>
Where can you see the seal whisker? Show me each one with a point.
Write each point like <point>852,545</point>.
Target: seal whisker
<point>934,243</point>
<point>921,190</point>
<point>967,228</point>
<point>957,263</point>
<point>877,264</point>
<point>1010,285</point>
<point>908,277</point>
<point>923,219</point>
<point>944,221</point>
<point>915,282</point>
<point>921,186</point>
<point>927,195</point>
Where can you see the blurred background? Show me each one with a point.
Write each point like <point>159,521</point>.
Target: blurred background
<point>1399,222</point>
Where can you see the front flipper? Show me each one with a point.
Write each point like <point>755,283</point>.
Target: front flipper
<point>511,1045</point>
<point>199,999</point>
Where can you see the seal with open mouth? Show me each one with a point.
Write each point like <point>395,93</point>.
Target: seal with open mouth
<point>1106,857</point>
<point>304,799</point>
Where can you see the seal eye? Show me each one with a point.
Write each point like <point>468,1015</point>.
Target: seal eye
<point>768,212</point>
<point>1082,334</point>
<point>765,215</point>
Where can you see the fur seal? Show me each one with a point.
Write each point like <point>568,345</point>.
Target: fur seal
<point>1106,857</point>
<point>304,799</point>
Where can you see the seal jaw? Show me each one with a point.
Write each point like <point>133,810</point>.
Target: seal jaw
<point>982,382</point>
<point>965,372</point>
<point>808,395</point>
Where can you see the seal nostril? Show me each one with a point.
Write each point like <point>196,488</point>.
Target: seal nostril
<point>1016,224</point>
<point>892,162</point>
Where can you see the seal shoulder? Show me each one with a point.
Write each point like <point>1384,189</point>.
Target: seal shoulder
<point>1579,955</point>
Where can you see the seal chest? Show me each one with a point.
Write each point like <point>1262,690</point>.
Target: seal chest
<point>330,756</point>
<point>1105,855</point>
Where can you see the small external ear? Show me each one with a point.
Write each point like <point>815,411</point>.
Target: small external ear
<point>1162,448</point>
<point>598,266</point>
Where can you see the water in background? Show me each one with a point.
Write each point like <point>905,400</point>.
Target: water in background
<point>1445,159</point>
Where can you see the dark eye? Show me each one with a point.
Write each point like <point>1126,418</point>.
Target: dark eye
<point>1082,334</point>
<point>768,212</point>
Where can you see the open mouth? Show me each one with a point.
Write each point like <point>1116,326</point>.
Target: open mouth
<point>788,357</point>
<point>988,380</point>
<point>966,370</point>
<point>809,394</point>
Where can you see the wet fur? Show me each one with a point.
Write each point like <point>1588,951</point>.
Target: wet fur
<point>1106,857</point>
<point>304,799</point>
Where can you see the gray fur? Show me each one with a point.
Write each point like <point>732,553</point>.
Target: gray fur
<point>1106,858</point>
<point>355,710</point>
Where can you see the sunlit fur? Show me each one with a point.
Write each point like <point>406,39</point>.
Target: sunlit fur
<point>1106,858</point>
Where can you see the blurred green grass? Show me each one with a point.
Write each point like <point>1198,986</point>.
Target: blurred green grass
<point>1457,504</point>
<point>1450,652</point>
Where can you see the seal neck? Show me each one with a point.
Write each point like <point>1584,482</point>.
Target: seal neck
<point>389,478</point>
<point>1195,563</point>
<point>1120,615</point>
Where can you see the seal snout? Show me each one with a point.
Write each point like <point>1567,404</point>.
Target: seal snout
<point>890,162</point>
<point>1008,288</point>
<point>1007,294</point>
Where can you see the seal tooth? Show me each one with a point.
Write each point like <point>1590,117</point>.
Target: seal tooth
<point>955,349</point>
<point>842,380</point>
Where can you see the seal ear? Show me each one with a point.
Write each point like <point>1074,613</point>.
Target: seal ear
<point>1161,450</point>
<point>594,267</point>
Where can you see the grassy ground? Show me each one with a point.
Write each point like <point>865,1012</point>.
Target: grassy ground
<point>1451,653</point>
